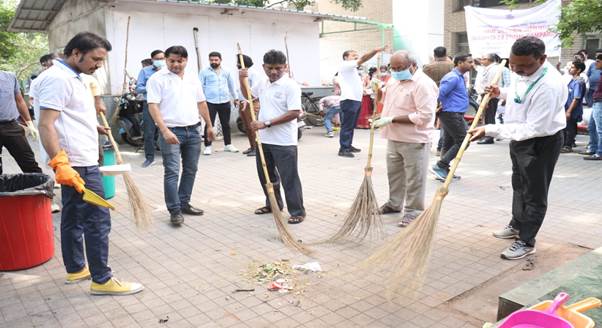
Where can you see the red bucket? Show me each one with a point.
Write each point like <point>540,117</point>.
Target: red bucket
<point>26,231</point>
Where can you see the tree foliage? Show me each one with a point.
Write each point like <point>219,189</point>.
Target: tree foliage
<point>579,16</point>
<point>20,51</point>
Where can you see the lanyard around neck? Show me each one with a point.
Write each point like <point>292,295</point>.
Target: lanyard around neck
<point>518,99</point>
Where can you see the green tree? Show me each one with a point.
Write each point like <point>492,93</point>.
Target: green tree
<point>20,51</point>
<point>579,16</point>
<point>7,39</point>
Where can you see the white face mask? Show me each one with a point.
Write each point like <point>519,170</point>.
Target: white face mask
<point>159,63</point>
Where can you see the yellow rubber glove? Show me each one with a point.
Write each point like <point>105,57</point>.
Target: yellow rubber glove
<point>31,129</point>
<point>64,173</point>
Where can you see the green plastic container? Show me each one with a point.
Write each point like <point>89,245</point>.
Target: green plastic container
<point>108,182</point>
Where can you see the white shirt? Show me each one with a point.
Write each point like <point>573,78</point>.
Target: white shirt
<point>177,97</point>
<point>350,81</point>
<point>541,112</point>
<point>276,99</point>
<point>62,89</point>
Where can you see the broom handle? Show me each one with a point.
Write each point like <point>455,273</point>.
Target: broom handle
<point>111,139</point>
<point>253,118</point>
<point>475,122</point>
<point>376,88</point>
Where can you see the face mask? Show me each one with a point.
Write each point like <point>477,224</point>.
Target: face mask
<point>214,65</point>
<point>401,75</point>
<point>159,63</point>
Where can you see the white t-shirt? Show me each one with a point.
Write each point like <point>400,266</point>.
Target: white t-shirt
<point>177,97</point>
<point>350,81</point>
<point>62,89</point>
<point>276,99</point>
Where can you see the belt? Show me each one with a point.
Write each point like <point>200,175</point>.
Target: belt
<point>7,122</point>
<point>187,126</point>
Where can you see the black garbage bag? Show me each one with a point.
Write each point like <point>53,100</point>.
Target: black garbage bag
<point>26,184</point>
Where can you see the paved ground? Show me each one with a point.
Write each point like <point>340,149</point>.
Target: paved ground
<point>190,273</point>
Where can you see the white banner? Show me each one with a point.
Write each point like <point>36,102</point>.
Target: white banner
<point>495,30</point>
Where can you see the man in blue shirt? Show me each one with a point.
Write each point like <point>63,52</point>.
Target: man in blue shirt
<point>593,77</point>
<point>454,101</point>
<point>574,105</point>
<point>150,130</point>
<point>220,91</point>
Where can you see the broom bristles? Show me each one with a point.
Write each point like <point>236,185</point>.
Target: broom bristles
<point>407,253</point>
<point>140,210</point>
<point>285,235</point>
<point>363,217</point>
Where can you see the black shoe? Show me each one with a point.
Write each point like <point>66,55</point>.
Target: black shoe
<point>594,157</point>
<point>250,149</point>
<point>252,153</point>
<point>485,141</point>
<point>346,153</point>
<point>566,150</point>
<point>386,209</point>
<point>176,219</point>
<point>354,150</point>
<point>191,210</point>
<point>586,152</point>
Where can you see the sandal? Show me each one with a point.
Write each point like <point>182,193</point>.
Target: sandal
<point>295,219</point>
<point>263,210</point>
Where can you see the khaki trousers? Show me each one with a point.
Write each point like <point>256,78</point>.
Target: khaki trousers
<point>407,166</point>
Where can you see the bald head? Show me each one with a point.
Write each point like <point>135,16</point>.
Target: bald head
<point>402,60</point>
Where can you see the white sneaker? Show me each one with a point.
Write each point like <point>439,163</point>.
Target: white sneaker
<point>230,148</point>
<point>207,150</point>
<point>330,134</point>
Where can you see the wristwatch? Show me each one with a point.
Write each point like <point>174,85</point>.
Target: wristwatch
<point>267,124</point>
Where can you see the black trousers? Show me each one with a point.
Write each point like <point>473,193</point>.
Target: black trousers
<point>223,110</point>
<point>533,163</point>
<point>281,162</point>
<point>454,131</point>
<point>570,132</point>
<point>12,137</point>
<point>490,114</point>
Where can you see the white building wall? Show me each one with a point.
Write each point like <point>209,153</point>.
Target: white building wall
<point>420,24</point>
<point>155,26</point>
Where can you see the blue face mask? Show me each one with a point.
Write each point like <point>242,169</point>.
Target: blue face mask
<point>159,63</point>
<point>401,75</point>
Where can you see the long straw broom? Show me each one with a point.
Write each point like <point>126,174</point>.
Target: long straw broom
<point>140,209</point>
<point>407,252</point>
<point>285,235</point>
<point>364,216</point>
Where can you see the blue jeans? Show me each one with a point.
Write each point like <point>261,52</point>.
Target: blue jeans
<point>189,150</point>
<point>328,117</point>
<point>85,223</point>
<point>350,112</point>
<point>595,129</point>
<point>150,133</point>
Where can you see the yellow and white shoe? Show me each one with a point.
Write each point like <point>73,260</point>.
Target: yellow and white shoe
<point>115,287</point>
<point>73,278</point>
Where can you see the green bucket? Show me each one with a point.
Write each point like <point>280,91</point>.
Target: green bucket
<point>108,182</point>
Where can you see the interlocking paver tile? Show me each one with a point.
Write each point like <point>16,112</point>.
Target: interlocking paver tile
<point>190,273</point>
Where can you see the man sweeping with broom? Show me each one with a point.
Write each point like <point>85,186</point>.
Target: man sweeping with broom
<point>280,101</point>
<point>534,120</point>
<point>69,133</point>
<point>408,115</point>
